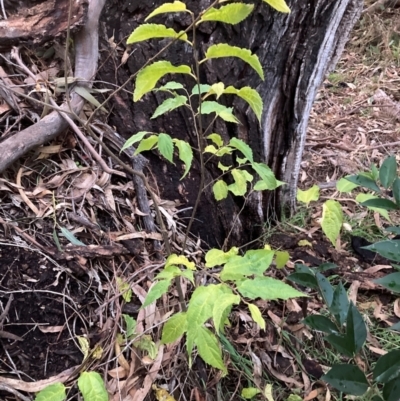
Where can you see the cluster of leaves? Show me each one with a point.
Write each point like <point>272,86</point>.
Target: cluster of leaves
<point>346,331</point>
<point>241,278</point>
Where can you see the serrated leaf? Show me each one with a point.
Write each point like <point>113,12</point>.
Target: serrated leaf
<point>130,324</point>
<point>254,262</point>
<point>216,138</point>
<point>154,31</point>
<point>243,147</point>
<point>148,77</point>
<point>84,92</point>
<point>174,328</point>
<point>168,273</point>
<point>229,14</point>
<point>180,260</point>
<point>239,187</point>
<point>156,291</point>
<point>171,85</point>
<point>169,105</point>
<point>147,144</point>
<point>53,392</point>
<point>226,113</point>
<point>281,258</point>
<point>222,309</point>
<point>185,155</point>
<point>361,198</point>
<point>256,315</point>
<point>223,168</point>
<point>201,305</point>
<point>204,88</point>
<point>217,257</point>
<point>388,172</point>
<point>71,237</point>
<point>217,89</point>
<point>348,379</point>
<point>279,5</point>
<point>226,50</point>
<point>249,392</point>
<point>344,185</point>
<point>220,190</point>
<point>332,220</point>
<point>92,387</point>
<point>390,281</point>
<point>266,175</point>
<point>166,146</point>
<point>388,367</point>
<point>309,195</point>
<point>251,96</point>
<point>267,288</point>
<point>210,149</point>
<point>134,139</point>
<point>363,181</point>
<point>175,7</point>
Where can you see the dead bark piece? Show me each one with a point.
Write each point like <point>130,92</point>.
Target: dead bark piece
<point>42,22</point>
<point>91,251</point>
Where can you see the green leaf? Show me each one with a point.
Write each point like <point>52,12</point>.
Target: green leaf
<point>250,95</point>
<point>145,343</point>
<point>226,113</point>
<point>281,258</point>
<point>204,88</point>
<point>340,304</point>
<point>209,349</point>
<point>342,344</point>
<point>256,315</point>
<point>84,92</point>
<point>216,257</point>
<point>388,367</point>
<point>389,249</point>
<point>381,203</point>
<point>222,309</point>
<point>243,147</point>
<point>71,237</point>
<point>185,155</point>
<point>229,14</point>
<point>305,279</point>
<point>125,289</point>
<point>175,7</point>
<point>135,138</point>
<point>267,288</point>
<point>394,230</point>
<point>311,194</point>
<point>391,282</point>
<point>363,181</point>
<point>154,31</point>
<point>226,50</point>
<point>201,305</point>
<point>388,172</point>
<point>239,187</point>
<point>332,220</point>
<point>391,390</point>
<point>361,198</point>
<point>166,146</point>
<point>348,379</point>
<point>174,328</point>
<point>92,387</point>
<point>216,138</point>
<point>169,105</point>
<point>156,291</point>
<point>169,86</point>
<point>53,392</point>
<point>321,323</point>
<point>130,324</point>
<point>179,260</point>
<point>344,185</point>
<point>222,167</point>
<point>217,89</point>
<point>168,273</point>
<point>279,5</point>
<point>325,289</point>
<point>266,175</point>
<point>147,144</point>
<point>148,77</point>
<point>220,190</point>
<point>356,329</point>
<point>254,262</point>
<point>249,392</point>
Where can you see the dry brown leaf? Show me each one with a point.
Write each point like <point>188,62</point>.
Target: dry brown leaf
<point>23,194</point>
<point>353,291</point>
<point>396,307</point>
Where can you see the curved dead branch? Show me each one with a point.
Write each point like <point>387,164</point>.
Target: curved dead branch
<point>86,44</point>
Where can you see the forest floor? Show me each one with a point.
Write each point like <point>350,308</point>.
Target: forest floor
<point>53,298</point>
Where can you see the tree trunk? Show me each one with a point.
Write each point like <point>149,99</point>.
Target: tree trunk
<point>295,50</point>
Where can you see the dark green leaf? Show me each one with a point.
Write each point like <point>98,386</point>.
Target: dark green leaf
<point>341,343</point>
<point>381,203</point>
<point>388,367</point>
<point>377,398</point>
<point>396,190</point>
<point>320,323</point>
<point>305,279</point>
<point>340,304</point>
<point>348,379</point>
<point>325,289</point>
<point>356,330</point>
<point>394,230</point>
<point>374,172</point>
<point>364,182</point>
<point>388,171</point>
<point>395,327</point>
<point>391,282</point>
<point>300,268</point>
<point>391,390</point>
<point>389,249</point>
<point>326,266</point>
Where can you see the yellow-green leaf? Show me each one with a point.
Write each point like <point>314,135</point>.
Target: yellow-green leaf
<point>223,308</point>
<point>256,315</point>
<point>166,146</point>
<point>147,144</point>
<point>281,258</point>
<point>175,7</point>
<point>239,187</point>
<point>249,392</point>
<point>156,291</point>
<point>148,77</point>
<point>332,219</point>
<point>169,105</point>
<point>85,347</point>
<point>344,185</point>
<point>174,328</point>
<point>311,194</point>
<point>92,387</point>
<point>226,113</point>
<point>154,31</point>
<point>53,392</point>
<point>185,154</point>
<point>179,260</point>
<point>220,190</point>
<point>216,138</point>
<point>279,5</point>
<point>134,138</point>
<point>217,89</point>
<point>251,96</point>
<point>225,50</point>
<point>216,257</point>
<point>229,14</point>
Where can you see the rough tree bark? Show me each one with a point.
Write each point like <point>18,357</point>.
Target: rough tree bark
<point>296,51</point>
